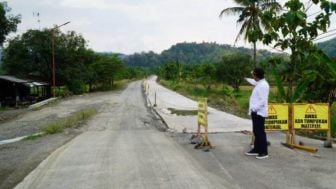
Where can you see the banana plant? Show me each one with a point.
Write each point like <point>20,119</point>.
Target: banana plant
<point>283,80</point>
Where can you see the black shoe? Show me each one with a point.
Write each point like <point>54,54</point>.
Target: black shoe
<point>262,156</point>
<point>251,153</point>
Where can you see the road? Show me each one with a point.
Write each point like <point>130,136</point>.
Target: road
<point>123,148</point>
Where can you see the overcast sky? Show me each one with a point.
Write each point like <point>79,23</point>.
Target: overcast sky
<point>129,26</point>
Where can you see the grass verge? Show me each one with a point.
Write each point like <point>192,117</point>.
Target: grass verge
<point>33,137</point>
<point>70,121</point>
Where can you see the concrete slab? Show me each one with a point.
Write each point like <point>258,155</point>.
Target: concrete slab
<point>218,121</point>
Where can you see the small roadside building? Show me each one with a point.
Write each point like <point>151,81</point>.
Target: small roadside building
<point>15,91</point>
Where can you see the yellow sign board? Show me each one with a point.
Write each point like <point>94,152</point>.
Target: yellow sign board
<point>311,116</point>
<point>202,112</point>
<point>277,117</point>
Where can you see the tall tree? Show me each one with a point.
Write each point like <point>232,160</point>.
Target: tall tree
<point>233,68</point>
<point>293,31</point>
<point>249,13</point>
<point>8,22</point>
<point>170,70</point>
<point>106,70</point>
<point>312,74</point>
<point>29,56</point>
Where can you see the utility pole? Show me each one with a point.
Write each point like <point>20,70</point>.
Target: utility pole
<point>53,56</point>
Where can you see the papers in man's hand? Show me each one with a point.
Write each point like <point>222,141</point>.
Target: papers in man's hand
<point>251,81</point>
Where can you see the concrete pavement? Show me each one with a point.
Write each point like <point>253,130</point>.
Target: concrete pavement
<point>218,121</point>
<point>123,149</point>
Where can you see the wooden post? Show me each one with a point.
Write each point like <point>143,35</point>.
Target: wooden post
<point>328,142</point>
<point>329,125</point>
<point>290,138</point>
<point>203,121</point>
<point>206,123</point>
<point>155,99</point>
<point>292,121</point>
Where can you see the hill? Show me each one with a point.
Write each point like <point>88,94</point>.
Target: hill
<point>329,47</point>
<point>189,53</point>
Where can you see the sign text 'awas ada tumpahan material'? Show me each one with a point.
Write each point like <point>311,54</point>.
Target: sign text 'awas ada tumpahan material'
<point>311,116</point>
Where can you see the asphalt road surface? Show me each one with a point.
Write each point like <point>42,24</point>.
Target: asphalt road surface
<point>123,148</point>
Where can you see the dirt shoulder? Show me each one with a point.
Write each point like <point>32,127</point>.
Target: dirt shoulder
<point>18,159</point>
<point>7,115</point>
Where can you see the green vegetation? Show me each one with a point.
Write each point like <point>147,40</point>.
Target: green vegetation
<point>333,120</point>
<point>233,68</point>
<point>8,22</point>
<point>79,69</point>
<point>33,137</point>
<point>329,47</point>
<point>77,66</point>
<point>189,53</point>
<point>3,109</point>
<point>309,75</point>
<point>198,53</point>
<point>70,121</point>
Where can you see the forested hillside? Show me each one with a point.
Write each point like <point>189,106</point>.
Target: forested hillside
<point>189,53</point>
<point>329,47</point>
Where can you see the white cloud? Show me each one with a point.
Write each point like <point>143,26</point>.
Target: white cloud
<point>134,25</point>
<point>84,4</point>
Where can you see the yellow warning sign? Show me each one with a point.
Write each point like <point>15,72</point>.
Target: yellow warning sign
<point>311,116</point>
<point>277,117</point>
<point>310,109</point>
<point>271,109</point>
<point>202,112</point>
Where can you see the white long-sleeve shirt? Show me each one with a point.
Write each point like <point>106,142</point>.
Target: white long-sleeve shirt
<point>259,98</point>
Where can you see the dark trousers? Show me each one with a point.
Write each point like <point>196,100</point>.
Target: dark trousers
<point>260,142</point>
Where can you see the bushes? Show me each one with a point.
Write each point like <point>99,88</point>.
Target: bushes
<point>77,87</point>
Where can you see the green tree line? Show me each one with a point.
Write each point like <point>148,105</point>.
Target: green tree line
<point>194,53</point>
<point>30,56</point>
<point>189,53</point>
<point>231,70</point>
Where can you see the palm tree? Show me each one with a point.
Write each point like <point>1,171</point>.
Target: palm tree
<point>250,17</point>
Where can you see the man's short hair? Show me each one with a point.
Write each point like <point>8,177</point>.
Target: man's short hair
<point>259,73</point>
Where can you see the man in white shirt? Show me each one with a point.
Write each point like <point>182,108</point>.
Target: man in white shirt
<point>258,111</point>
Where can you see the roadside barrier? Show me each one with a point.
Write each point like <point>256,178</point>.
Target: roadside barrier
<point>292,117</point>
<point>145,86</point>
<point>155,100</point>
<point>308,117</point>
<point>277,117</point>
<point>202,139</point>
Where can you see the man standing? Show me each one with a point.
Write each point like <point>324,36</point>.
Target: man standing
<point>258,111</point>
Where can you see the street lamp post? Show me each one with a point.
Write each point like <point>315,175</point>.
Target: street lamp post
<point>53,56</point>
